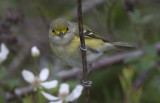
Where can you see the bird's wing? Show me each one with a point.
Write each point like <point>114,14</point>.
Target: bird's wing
<point>88,33</point>
<point>92,39</point>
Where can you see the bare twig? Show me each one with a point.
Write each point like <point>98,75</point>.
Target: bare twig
<point>83,46</point>
<point>145,74</point>
<point>103,63</point>
<point>143,77</point>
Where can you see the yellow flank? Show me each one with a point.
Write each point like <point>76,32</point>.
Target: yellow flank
<point>90,42</point>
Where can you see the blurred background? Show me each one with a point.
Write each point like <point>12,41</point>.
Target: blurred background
<point>123,77</point>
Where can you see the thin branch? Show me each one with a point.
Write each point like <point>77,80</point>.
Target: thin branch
<point>145,74</point>
<point>83,46</point>
<point>101,64</point>
<point>143,77</point>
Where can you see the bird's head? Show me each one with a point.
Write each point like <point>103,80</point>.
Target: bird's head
<point>61,30</point>
<point>59,27</point>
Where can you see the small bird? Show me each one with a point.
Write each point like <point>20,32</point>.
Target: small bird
<point>65,43</point>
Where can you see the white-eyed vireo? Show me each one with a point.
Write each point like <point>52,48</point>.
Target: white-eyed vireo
<point>65,43</point>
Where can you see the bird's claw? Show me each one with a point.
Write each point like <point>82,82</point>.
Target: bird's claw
<point>81,48</point>
<point>86,84</point>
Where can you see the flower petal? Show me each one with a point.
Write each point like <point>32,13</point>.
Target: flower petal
<point>49,96</point>
<point>75,93</point>
<point>64,88</point>
<point>28,76</point>
<point>44,74</point>
<point>3,53</point>
<point>57,102</point>
<point>49,84</point>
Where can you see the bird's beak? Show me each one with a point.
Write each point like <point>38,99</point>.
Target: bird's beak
<point>61,34</point>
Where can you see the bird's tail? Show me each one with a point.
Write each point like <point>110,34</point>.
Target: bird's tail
<point>123,46</point>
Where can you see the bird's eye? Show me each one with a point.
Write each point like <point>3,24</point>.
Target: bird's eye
<point>53,31</point>
<point>67,29</point>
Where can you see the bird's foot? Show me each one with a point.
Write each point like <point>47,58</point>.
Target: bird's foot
<point>81,48</point>
<point>86,84</point>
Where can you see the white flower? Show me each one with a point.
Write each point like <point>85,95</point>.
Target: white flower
<point>3,52</point>
<point>64,94</point>
<point>35,51</point>
<point>38,81</point>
